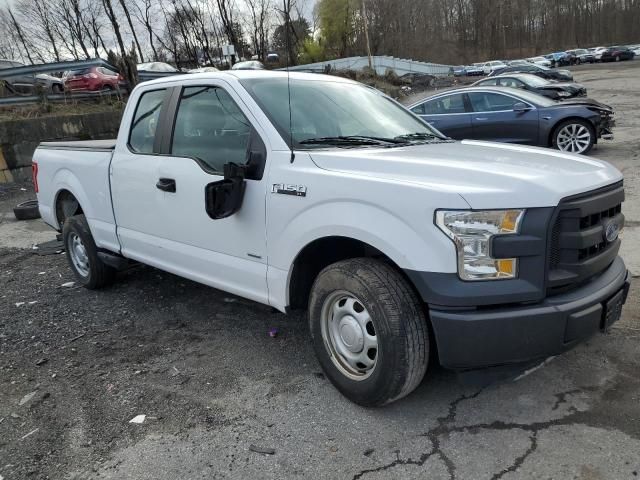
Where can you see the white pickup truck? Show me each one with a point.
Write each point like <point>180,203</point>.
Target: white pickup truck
<point>310,191</point>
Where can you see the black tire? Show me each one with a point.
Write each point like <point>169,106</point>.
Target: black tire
<point>57,88</point>
<point>617,58</point>
<point>578,61</point>
<point>99,274</point>
<point>399,321</point>
<point>27,210</point>
<point>575,121</point>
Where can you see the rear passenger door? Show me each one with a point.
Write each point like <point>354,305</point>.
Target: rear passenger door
<point>447,113</point>
<point>494,119</point>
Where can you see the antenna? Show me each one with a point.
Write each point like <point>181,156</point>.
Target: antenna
<point>287,33</point>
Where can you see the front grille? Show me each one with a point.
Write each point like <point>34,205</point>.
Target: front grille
<point>578,249</point>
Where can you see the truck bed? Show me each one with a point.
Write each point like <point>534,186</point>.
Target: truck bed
<point>94,145</point>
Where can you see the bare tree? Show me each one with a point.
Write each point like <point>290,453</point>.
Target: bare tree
<point>115,25</point>
<point>259,23</point>
<point>225,8</point>
<point>94,26</point>
<point>143,12</point>
<point>36,14</point>
<point>127,14</point>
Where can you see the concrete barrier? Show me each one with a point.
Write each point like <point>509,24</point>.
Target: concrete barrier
<point>19,138</point>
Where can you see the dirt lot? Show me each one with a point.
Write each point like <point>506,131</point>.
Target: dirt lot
<point>76,366</point>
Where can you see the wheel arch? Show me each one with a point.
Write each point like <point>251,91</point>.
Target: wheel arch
<point>66,204</point>
<point>68,188</point>
<point>554,127</point>
<point>322,252</point>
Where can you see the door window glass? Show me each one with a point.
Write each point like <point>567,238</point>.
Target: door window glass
<point>418,109</point>
<point>491,102</point>
<point>511,82</point>
<point>210,128</point>
<point>445,105</point>
<point>145,121</point>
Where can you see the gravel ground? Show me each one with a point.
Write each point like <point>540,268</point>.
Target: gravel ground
<point>76,366</point>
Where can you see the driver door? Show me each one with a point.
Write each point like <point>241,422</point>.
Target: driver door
<point>494,119</point>
<point>211,128</point>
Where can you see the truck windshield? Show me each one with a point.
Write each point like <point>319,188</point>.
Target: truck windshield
<point>335,113</point>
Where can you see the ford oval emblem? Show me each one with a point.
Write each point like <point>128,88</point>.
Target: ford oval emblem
<point>611,231</point>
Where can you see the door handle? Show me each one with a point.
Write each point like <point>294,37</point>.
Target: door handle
<point>166,185</point>
<point>481,118</point>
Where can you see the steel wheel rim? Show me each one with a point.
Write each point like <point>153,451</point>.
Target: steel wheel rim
<point>573,138</point>
<point>78,254</point>
<point>349,335</point>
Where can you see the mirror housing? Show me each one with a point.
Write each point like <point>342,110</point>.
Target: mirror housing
<point>521,107</point>
<point>224,198</point>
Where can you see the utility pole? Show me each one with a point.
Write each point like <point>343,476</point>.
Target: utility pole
<point>366,34</point>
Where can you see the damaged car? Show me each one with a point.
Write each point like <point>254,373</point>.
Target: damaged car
<point>535,84</point>
<point>510,115</point>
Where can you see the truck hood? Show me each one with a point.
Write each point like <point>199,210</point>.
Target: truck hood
<point>485,174</point>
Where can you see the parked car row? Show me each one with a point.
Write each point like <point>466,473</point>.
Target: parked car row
<point>574,56</point>
<point>94,78</point>
<point>29,83</point>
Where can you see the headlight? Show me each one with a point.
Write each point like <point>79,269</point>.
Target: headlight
<point>471,231</point>
<point>563,94</point>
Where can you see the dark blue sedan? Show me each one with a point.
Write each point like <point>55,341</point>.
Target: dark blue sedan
<point>511,115</point>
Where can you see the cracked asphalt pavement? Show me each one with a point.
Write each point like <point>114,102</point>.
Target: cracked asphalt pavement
<point>76,366</point>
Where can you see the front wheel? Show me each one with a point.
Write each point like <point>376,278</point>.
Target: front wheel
<point>82,254</point>
<point>369,331</point>
<point>574,136</point>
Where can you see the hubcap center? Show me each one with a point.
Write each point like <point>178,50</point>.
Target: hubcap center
<point>351,334</point>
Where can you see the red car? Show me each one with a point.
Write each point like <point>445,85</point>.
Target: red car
<point>91,79</point>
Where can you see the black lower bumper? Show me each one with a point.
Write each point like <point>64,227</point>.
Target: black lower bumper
<point>485,337</point>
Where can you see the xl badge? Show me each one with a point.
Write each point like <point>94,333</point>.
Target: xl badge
<point>289,189</point>
<point>611,231</point>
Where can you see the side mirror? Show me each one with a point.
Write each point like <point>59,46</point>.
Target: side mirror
<point>521,107</point>
<point>224,198</point>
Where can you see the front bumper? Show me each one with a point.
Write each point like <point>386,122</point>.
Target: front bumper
<point>488,337</point>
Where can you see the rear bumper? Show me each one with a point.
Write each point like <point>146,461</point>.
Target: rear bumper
<point>487,337</point>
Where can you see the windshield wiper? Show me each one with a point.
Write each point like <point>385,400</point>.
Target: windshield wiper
<point>417,136</point>
<point>350,140</point>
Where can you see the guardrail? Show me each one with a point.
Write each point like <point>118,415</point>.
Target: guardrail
<point>58,97</point>
<point>54,67</point>
<point>380,64</point>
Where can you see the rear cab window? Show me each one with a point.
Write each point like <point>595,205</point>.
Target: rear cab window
<point>145,121</point>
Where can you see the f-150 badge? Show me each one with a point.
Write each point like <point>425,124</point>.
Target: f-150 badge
<point>289,189</point>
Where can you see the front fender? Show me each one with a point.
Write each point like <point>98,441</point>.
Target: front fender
<point>421,247</point>
<point>408,248</point>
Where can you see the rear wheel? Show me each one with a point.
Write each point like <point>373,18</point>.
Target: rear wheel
<point>57,88</point>
<point>82,254</point>
<point>574,136</point>
<point>369,331</point>
<point>617,58</point>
